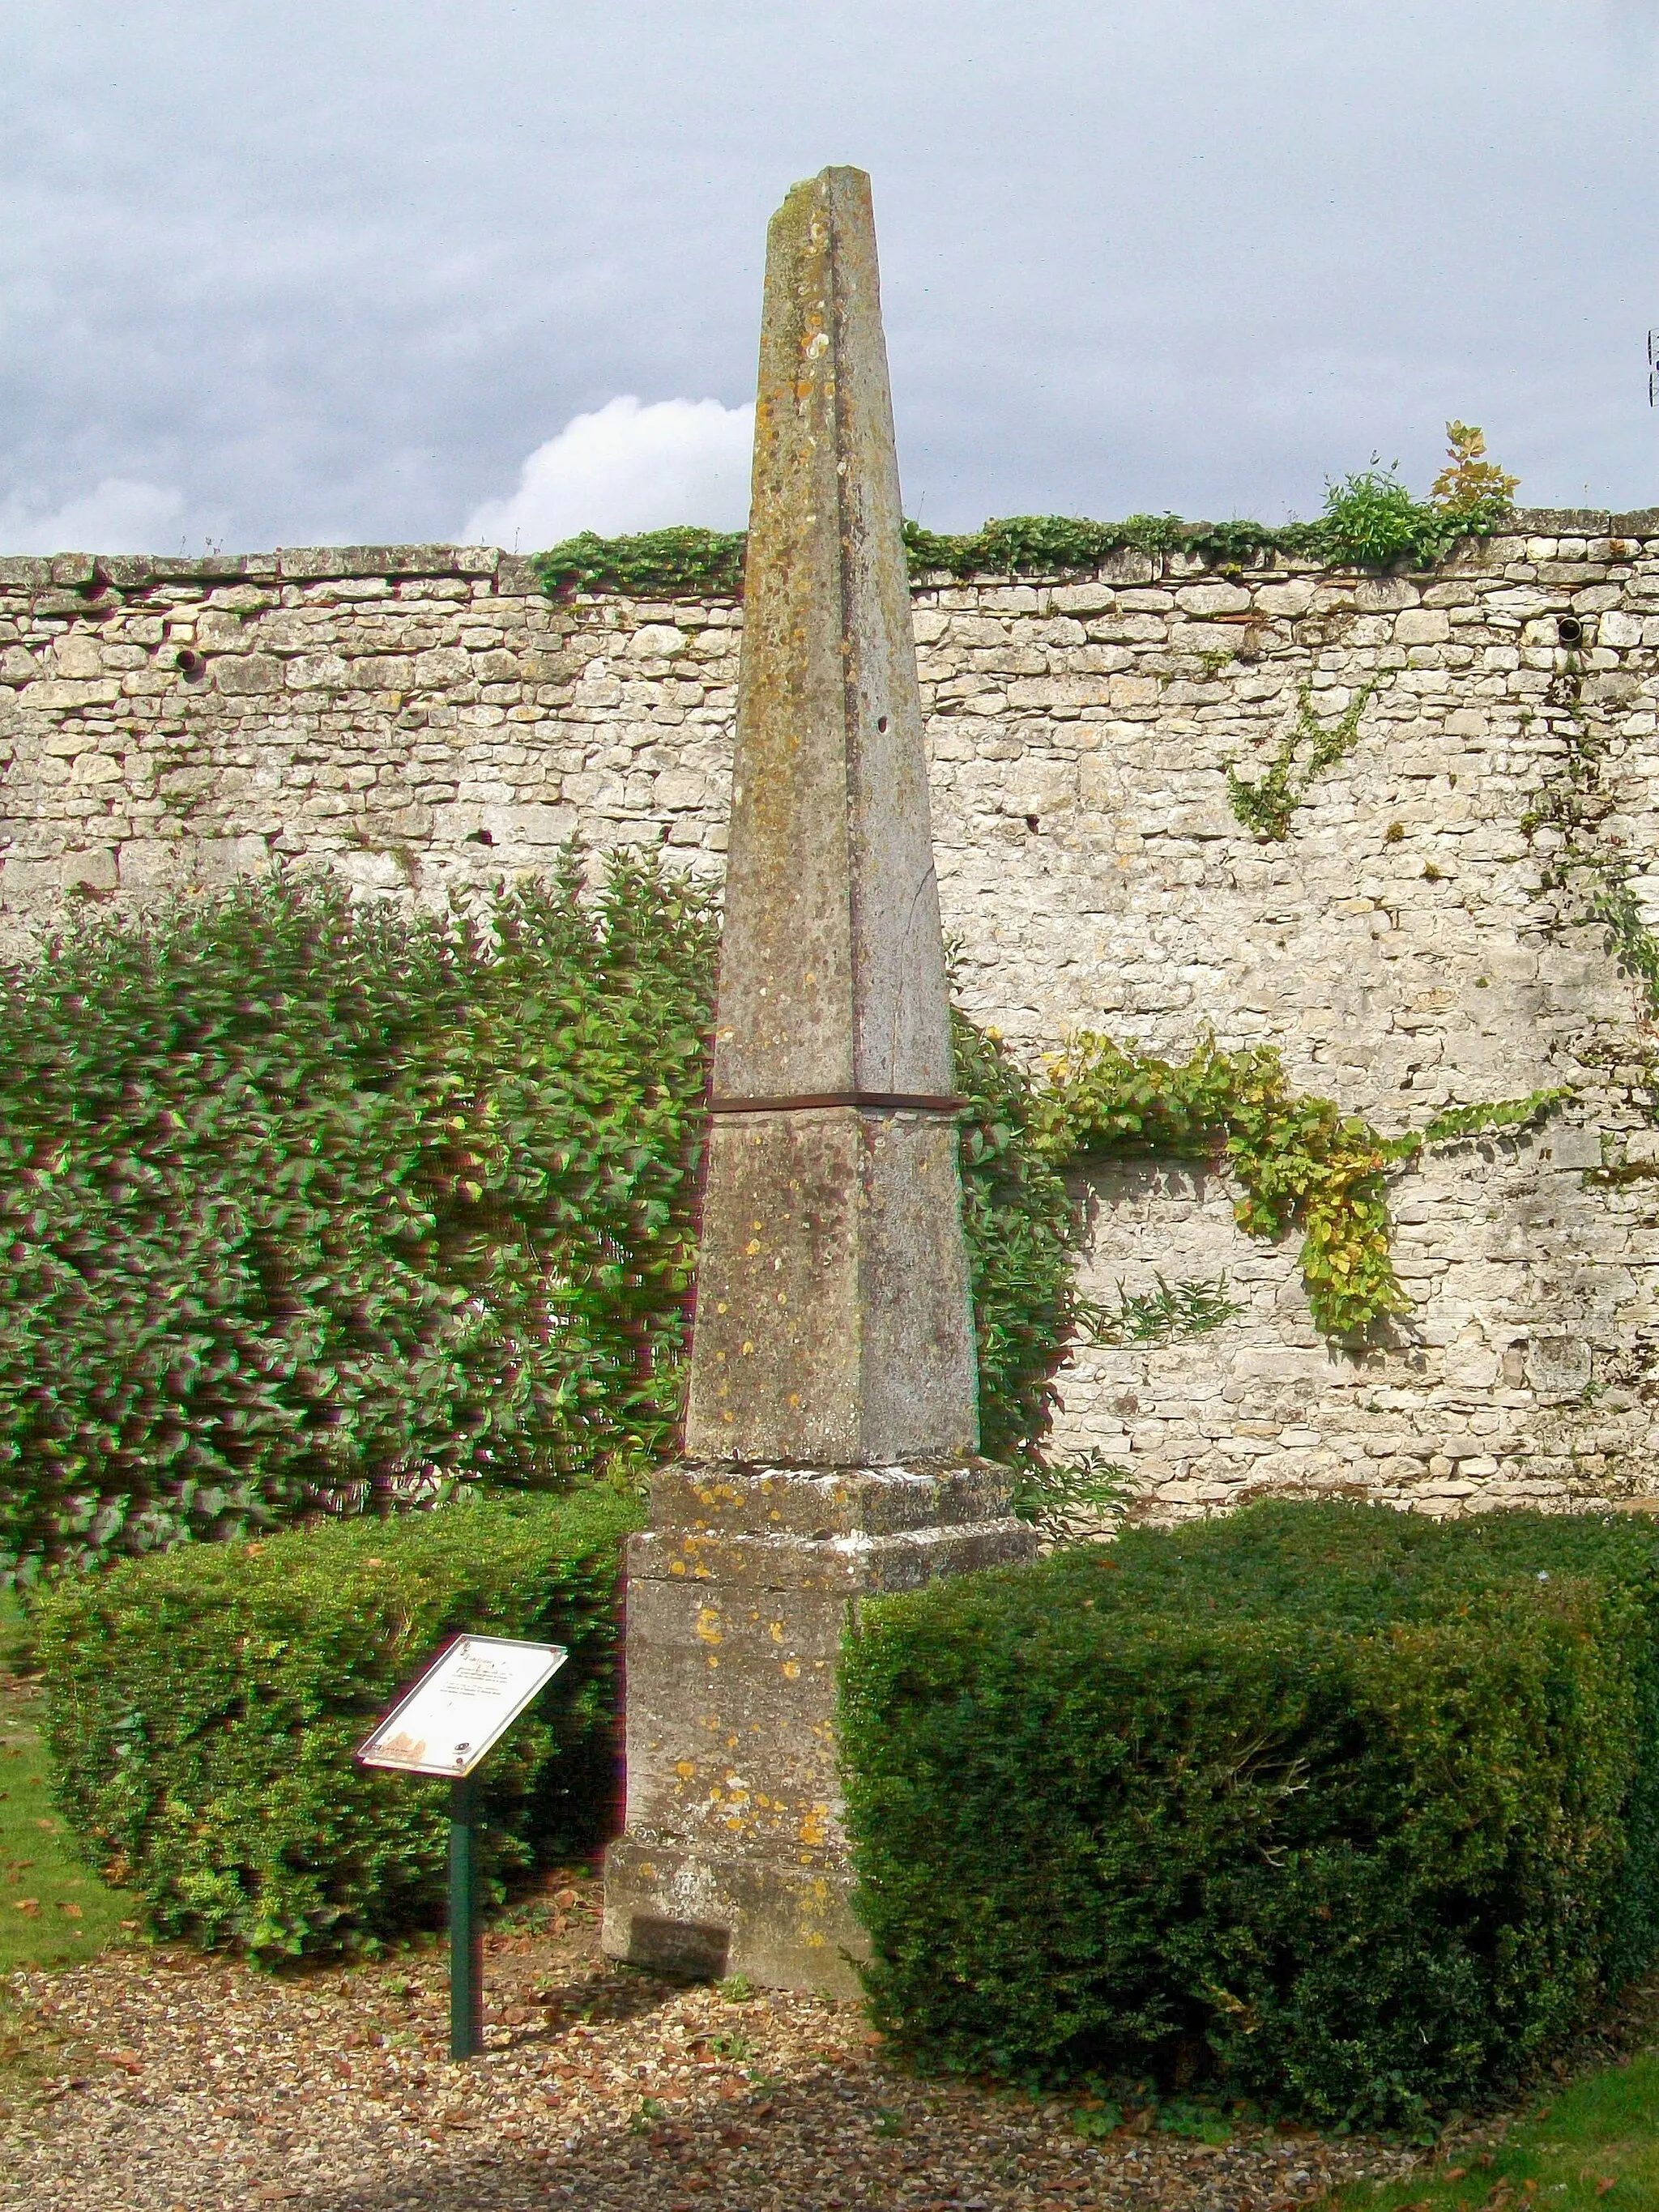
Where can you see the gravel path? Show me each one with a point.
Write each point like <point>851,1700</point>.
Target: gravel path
<point>185,2085</point>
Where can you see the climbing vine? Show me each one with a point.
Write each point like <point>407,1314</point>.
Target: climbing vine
<point>1574,805</point>
<point>1303,1162</point>
<point>1264,807</point>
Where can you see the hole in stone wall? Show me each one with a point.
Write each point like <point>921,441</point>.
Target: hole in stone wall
<point>881,724</point>
<point>1031,824</point>
<point>1570,629</point>
<point>479,837</point>
<point>191,664</point>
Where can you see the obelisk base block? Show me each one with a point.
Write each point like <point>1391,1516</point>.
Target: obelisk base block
<point>734,1859</point>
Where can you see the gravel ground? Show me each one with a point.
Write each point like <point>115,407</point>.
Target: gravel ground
<point>177,2084</point>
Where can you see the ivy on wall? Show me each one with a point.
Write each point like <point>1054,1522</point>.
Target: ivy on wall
<point>1265,806</point>
<point>1370,520</point>
<point>1303,1162</point>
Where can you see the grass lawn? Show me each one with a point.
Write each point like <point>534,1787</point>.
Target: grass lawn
<point>1596,2143</point>
<point>52,1911</point>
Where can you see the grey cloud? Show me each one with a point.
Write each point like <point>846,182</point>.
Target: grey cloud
<point>335,273</point>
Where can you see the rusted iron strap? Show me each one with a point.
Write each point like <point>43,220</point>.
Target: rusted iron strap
<point>881,1101</point>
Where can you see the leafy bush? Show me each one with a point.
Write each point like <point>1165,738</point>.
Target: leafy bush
<point>309,1206</point>
<point>1358,1810</point>
<point>675,564</point>
<point>1372,520</point>
<point>202,1708</point>
<point>1470,485</point>
<point>1022,1232</point>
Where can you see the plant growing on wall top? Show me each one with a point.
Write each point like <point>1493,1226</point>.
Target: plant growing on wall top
<point>1470,485</point>
<point>1371,519</point>
<point>1303,1162</point>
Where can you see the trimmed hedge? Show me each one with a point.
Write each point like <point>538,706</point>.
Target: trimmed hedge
<point>1355,1812</point>
<point>204,1706</point>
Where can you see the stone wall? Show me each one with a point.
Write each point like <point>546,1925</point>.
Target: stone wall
<point>424,720</point>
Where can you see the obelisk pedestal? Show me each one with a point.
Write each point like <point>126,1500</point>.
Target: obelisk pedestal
<point>832,1419</point>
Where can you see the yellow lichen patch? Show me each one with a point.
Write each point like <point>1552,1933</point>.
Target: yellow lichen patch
<point>708,1624</point>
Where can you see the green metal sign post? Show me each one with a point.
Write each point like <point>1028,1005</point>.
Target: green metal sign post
<point>446,1724</point>
<point>465,1923</point>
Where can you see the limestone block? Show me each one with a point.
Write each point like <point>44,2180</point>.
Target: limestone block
<point>442,666</point>
<point>316,672</point>
<point>1214,598</point>
<point>537,824</point>
<point>53,695</point>
<point>93,870</point>
<point>145,863</point>
<point>821,1315</point>
<point>95,767</point>
<point>220,860</point>
<point>381,672</point>
<point>248,674</point>
<point>738,1601</point>
<point>77,654</point>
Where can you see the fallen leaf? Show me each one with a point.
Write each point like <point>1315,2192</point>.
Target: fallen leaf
<point>51,1827</point>
<point>70,1911</point>
<point>129,2059</point>
<point>26,1905</point>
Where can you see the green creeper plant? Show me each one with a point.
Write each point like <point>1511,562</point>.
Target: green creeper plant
<point>1371,519</point>
<point>1266,805</point>
<point>1301,1161</point>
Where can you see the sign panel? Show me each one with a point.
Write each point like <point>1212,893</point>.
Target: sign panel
<point>463,1705</point>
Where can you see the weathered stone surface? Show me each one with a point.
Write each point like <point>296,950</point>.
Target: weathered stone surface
<point>832,974</point>
<point>735,1618</point>
<point>833,1314</point>
<point>832,1337</point>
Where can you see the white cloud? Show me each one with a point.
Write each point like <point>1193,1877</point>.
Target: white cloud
<point>118,516</point>
<point>625,468</point>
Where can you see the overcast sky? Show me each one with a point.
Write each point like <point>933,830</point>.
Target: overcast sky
<point>386,269</point>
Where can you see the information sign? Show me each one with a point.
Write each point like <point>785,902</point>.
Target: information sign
<point>462,1706</point>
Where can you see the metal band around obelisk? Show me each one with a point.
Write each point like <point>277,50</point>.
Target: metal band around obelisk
<point>870,1102</point>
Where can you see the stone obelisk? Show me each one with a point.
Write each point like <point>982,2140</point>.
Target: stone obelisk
<point>832,1419</point>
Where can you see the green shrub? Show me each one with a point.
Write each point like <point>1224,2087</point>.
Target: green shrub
<point>314,1206</point>
<point>1357,1811</point>
<point>203,1708</point>
<point>1021,1231</point>
<point>309,1206</point>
